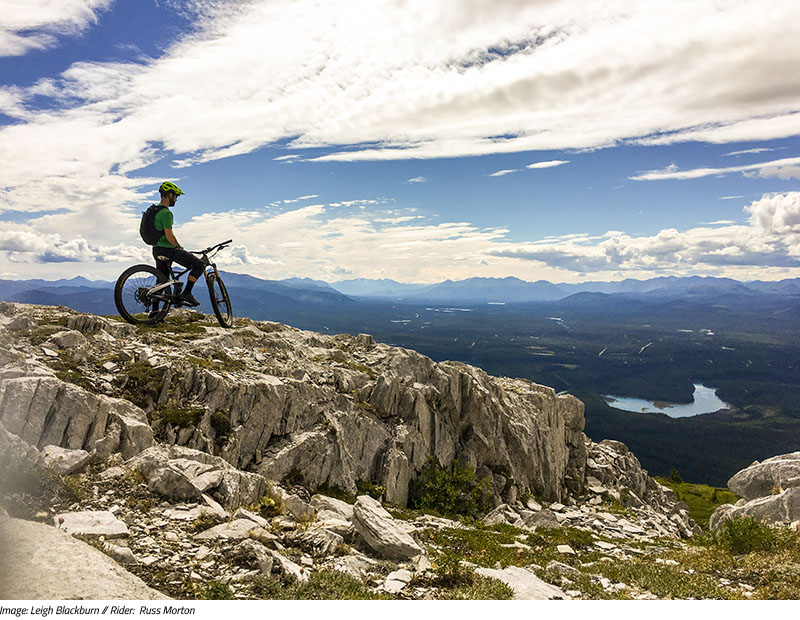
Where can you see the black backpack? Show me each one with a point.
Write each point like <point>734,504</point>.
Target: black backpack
<point>147,229</point>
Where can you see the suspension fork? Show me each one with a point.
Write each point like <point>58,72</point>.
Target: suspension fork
<point>208,273</point>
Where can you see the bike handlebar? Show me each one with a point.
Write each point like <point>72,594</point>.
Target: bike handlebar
<point>217,247</point>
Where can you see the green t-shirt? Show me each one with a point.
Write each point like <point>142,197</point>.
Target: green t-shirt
<point>163,220</point>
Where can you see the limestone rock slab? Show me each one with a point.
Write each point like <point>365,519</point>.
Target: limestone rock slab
<point>380,531</point>
<point>526,585</point>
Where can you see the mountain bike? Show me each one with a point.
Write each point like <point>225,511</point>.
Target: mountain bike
<point>143,295</point>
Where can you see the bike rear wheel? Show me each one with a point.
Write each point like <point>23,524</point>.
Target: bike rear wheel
<point>131,295</point>
<point>220,301</point>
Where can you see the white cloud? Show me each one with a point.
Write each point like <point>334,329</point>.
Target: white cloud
<point>417,180</point>
<point>34,24</point>
<point>22,246</point>
<point>771,239</point>
<point>502,173</point>
<point>325,240</point>
<point>748,152</point>
<point>547,164</point>
<point>787,168</point>
<point>417,79</point>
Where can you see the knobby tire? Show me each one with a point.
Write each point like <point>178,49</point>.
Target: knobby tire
<point>130,298</point>
<point>220,301</point>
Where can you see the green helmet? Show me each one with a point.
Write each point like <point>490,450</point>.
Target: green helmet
<point>169,186</point>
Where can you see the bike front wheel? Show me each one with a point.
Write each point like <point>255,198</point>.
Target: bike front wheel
<point>133,299</point>
<point>220,301</point>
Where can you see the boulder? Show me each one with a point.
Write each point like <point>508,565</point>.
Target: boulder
<point>764,478</point>
<point>381,532</point>
<point>237,529</point>
<point>397,581</point>
<point>253,554</point>
<point>287,567</point>
<point>91,523</point>
<point>331,504</point>
<point>41,562</point>
<point>62,460</point>
<point>180,473</point>
<point>68,339</point>
<point>525,584</point>
<point>319,540</point>
<point>782,508</point>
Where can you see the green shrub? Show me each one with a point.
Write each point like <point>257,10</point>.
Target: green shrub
<point>144,384</point>
<point>452,492</point>
<point>480,588</point>
<point>182,417</point>
<point>742,535</point>
<point>372,489</point>
<point>674,476</point>
<point>215,591</point>
<point>221,423</point>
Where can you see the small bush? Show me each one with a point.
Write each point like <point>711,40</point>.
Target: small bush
<point>674,476</point>
<point>144,384</point>
<point>182,417</point>
<point>375,491</point>
<point>215,591</point>
<point>221,423</point>
<point>480,588</point>
<point>742,535</point>
<point>453,492</point>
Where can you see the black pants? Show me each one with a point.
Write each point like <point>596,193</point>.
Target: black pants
<point>165,256</point>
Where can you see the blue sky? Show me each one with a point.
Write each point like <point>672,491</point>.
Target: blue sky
<point>414,140</point>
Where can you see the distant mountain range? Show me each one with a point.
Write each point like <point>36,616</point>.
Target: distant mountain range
<point>515,290</point>
<point>260,298</point>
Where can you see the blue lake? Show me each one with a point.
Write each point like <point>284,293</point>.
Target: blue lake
<point>705,401</point>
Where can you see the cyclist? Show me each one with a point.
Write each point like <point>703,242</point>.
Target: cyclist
<point>167,248</point>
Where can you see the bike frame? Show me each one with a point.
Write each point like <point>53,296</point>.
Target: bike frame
<point>153,293</point>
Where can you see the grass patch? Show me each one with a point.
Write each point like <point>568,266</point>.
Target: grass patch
<point>214,591</point>
<point>67,370</point>
<point>143,384</point>
<point>183,417</point>
<point>482,546</point>
<point>337,493</point>
<point>41,334</point>
<point>324,585</point>
<point>702,499</point>
<point>361,368</point>
<point>479,588</point>
<point>219,360</point>
<point>375,491</point>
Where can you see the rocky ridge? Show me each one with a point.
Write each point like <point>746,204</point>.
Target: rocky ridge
<point>210,430</point>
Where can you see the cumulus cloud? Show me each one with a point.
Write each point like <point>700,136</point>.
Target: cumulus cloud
<point>36,24</point>
<point>22,246</point>
<point>771,239</point>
